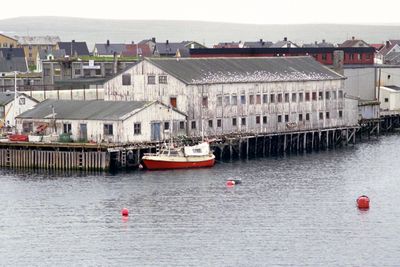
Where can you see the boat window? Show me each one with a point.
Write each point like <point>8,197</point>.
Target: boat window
<point>196,150</point>
<point>174,153</point>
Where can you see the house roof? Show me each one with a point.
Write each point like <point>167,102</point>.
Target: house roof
<point>319,44</point>
<point>80,48</point>
<point>240,70</point>
<point>131,50</point>
<point>377,46</point>
<point>56,53</point>
<point>13,52</point>
<point>37,40</point>
<point>284,44</point>
<point>353,42</point>
<point>229,45</point>
<point>109,48</point>
<point>259,44</point>
<point>385,50</point>
<point>9,37</point>
<point>12,59</point>
<point>84,110</point>
<point>170,49</point>
<point>7,97</point>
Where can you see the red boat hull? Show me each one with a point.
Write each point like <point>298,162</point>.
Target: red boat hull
<point>167,165</point>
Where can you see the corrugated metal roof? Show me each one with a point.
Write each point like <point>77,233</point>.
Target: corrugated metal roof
<point>12,59</point>
<point>83,110</point>
<point>240,70</point>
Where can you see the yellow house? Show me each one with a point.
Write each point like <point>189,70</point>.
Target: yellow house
<point>6,41</point>
<point>33,44</point>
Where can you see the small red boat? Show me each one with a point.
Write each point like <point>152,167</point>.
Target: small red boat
<point>18,137</point>
<point>170,157</point>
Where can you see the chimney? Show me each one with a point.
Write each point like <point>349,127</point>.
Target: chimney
<point>167,42</point>
<point>285,39</point>
<point>387,44</point>
<point>73,41</point>
<point>315,42</point>
<point>353,38</point>
<point>115,63</point>
<point>338,58</point>
<point>323,41</point>
<point>108,42</point>
<point>261,40</point>
<point>153,39</point>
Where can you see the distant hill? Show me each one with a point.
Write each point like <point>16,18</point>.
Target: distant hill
<point>209,33</point>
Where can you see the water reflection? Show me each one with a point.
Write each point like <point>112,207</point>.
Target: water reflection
<point>294,210</point>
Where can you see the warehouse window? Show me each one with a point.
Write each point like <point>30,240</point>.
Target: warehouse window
<point>314,96</point>
<point>234,100</point>
<point>126,79</point>
<point>327,115</point>
<point>279,98</point>
<point>193,124</point>
<point>258,119</point>
<point>320,95</point>
<point>258,99</point>
<point>182,125</point>
<point>219,123</point>
<point>227,101</point>
<point>137,128</point>
<point>300,117</point>
<point>386,99</point>
<point>162,79</point>
<point>166,125</point>
<point>234,122</point>
<point>300,97</point>
<point>251,99</point>
<point>287,97</point>
<point>307,96</point>
<point>172,102</point>
<point>340,94</point>
<point>219,100</point>
<point>243,99</point>
<point>265,98</point>
<point>151,79</point>
<point>210,123</point>
<point>327,95</point>
<point>272,98</point>
<point>279,118</point>
<point>286,118</point>
<point>265,120</point>
<point>307,116</point>
<point>108,129</point>
<point>294,96</point>
<point>321,116</point>
<point>243,121</point>
<point>67,127</point>
<point>340,114</point>
<point>204,102</point>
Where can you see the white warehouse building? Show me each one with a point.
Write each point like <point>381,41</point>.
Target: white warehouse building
<point>240,95</point>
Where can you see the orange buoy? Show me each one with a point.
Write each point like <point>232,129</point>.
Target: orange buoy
<point>230,183</point>
<point>125,212</point>
<point>363,202</point>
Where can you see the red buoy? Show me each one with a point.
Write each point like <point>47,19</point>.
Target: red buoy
<point>125,212</point>
<point>230,183</point>
<point>363,202</point>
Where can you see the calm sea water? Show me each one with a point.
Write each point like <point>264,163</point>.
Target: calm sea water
<point>290,211</point>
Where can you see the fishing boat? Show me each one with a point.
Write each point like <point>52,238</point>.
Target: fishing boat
<point>172,157</point>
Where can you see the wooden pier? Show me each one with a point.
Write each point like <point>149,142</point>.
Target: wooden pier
<point>100,157</point>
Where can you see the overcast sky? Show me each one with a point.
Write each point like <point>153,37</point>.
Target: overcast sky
<point>247,11</point>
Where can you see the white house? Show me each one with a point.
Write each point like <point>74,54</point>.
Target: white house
<point>10,108</point>
<point>390,97</point>
<point>104,121</point>
<point>232,95</point>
